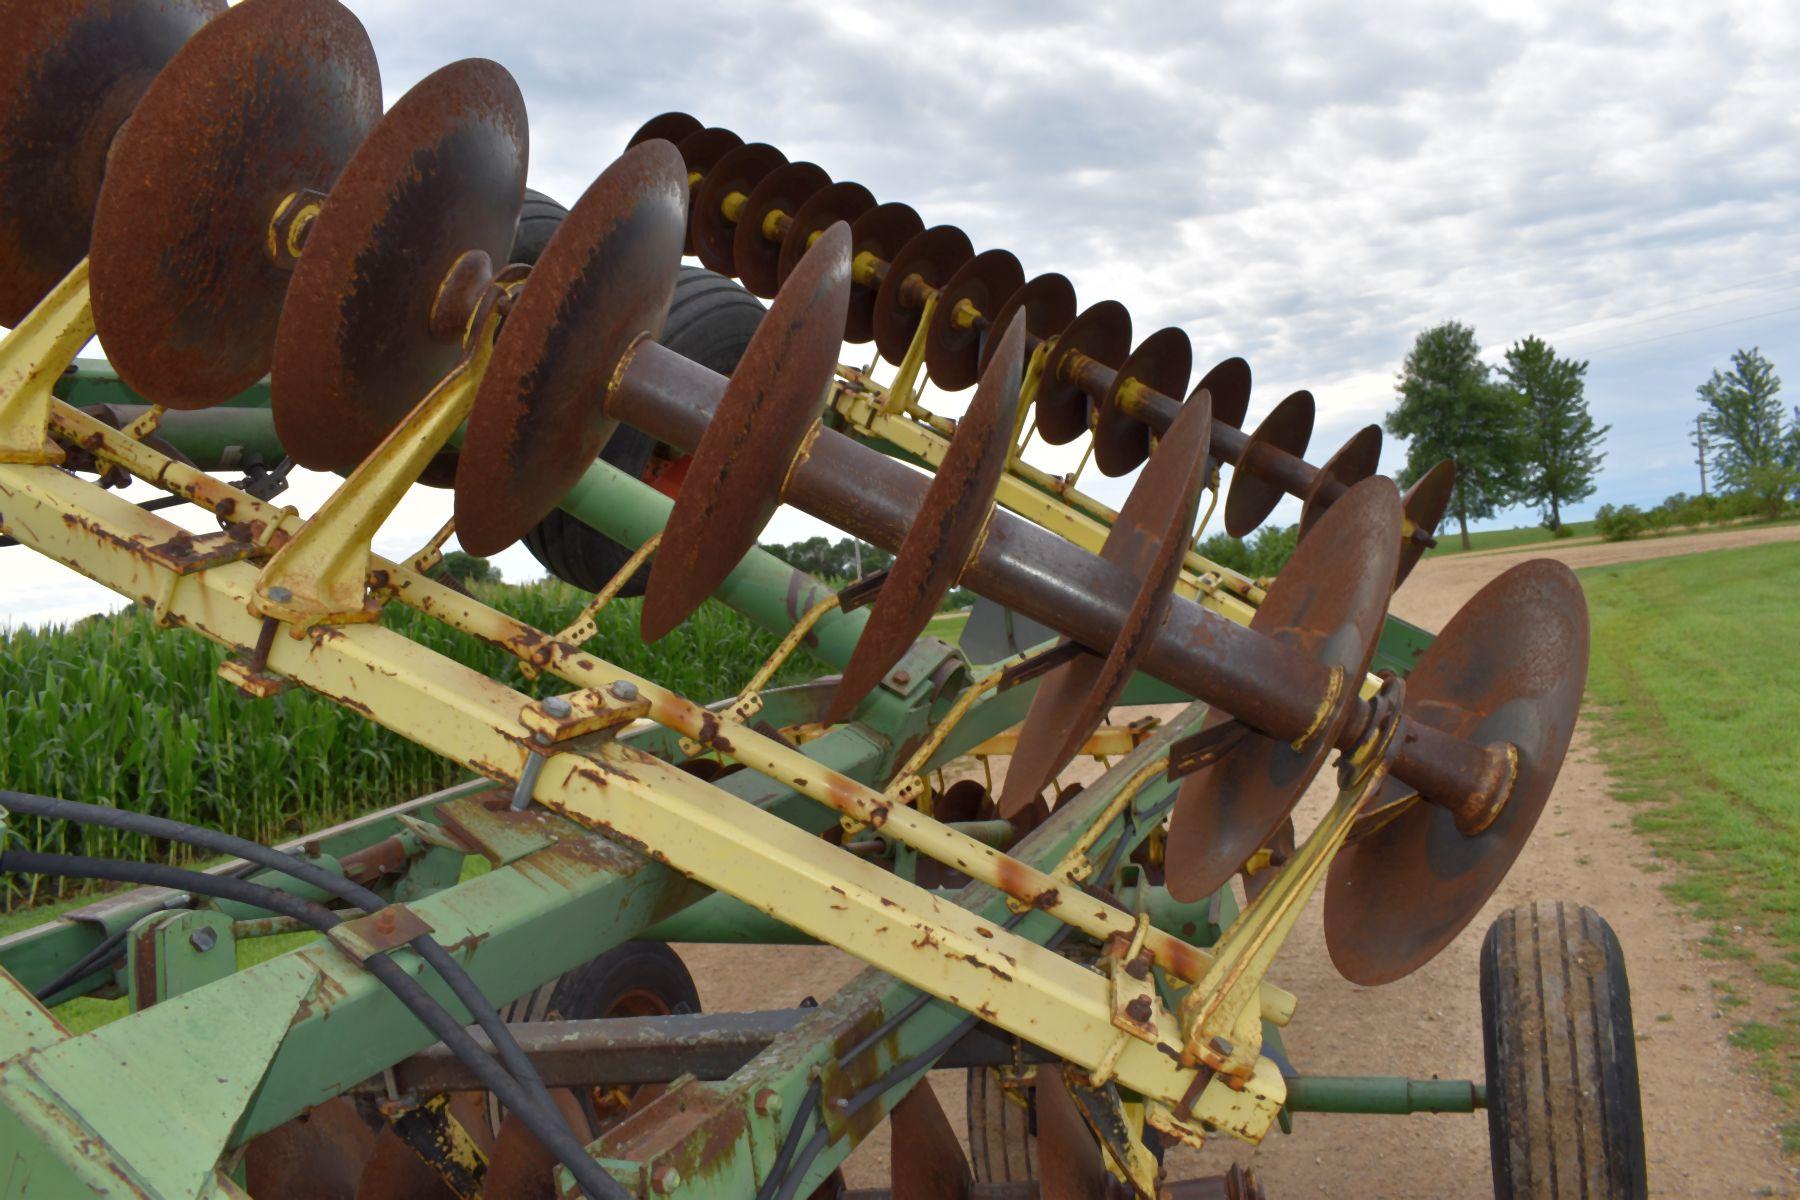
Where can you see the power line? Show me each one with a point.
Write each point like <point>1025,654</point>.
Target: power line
<point>1696,329</point>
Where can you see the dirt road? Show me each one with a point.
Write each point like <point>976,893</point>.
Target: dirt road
<point>1710,1125</point>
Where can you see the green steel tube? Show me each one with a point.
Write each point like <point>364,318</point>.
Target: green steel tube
<point>1383,1094</point>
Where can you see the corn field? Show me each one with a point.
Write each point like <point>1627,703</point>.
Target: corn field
<point>111,710</point>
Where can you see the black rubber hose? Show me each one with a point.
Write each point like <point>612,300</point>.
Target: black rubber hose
<point>467,992</point>
<point>86,965</point>
<point>554,1134</point>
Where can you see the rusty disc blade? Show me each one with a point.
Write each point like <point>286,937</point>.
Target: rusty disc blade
<point>666,127</point>
<point>824,208</point>
<point>1149,539</point>
<point>318,1155</point>
<point>880,233</point>
<point>1355,461</point>
<point>700,151</point>
<point>928,1162</point>
<point>1103,333</point>
<point>758,256</point>
<point>759,428</point>
<point>1327,604</point>
<point>1252,497</point>
<point>1508,668</point>
<point>1048,302</point>
<point>363,335</point>
<point>1228,384</point>
<point>930,259</point>
<point>1162,362</point>
<point>952,351</point>
<point>737,172</point>
<point>603,282</point>
<point>70,73</point>
<point>1071,1165</point>
<point>945,531</point>
<point>267,99</point>
<point>520,1168</point>
<point>1425,504</point>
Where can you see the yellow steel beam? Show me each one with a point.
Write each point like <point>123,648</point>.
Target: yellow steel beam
<point>32,358</point>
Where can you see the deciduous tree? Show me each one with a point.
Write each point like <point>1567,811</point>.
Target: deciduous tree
<point>1562,441</point>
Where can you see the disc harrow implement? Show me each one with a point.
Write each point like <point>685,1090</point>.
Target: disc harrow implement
<point>1077,948</point>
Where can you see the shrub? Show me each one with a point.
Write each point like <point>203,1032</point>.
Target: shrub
<point>1618,523</point>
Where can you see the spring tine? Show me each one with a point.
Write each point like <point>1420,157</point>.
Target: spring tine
<point>949,526</point>
<point>70,74</point>
<point>1355,461</point>
<point>1253,496</point>
<point>603,282</point>
<point>762,424</point>
<point>1150,540</point>
<point>186,295</point>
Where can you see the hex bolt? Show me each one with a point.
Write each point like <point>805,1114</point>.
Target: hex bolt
<point>203,938</point>
<point>558,706</point>
<point>623,689</point>
<point>768,1103</point>
<point>666,1179</point>
<point>902,677</point>
<point>280,595</point>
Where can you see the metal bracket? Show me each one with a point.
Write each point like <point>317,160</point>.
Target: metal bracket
<point>382,931</point>
<point>32,358</point>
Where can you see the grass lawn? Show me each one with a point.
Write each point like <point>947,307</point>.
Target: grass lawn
<point>1696,673</point>
<point>1500,539</point>
<point>947,626</point>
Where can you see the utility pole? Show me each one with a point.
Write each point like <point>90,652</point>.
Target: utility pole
<point>1700,444</point>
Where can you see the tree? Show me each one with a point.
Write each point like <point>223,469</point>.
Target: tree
<point>1449,408</point>
<point>1742,411</point>
<point>466,568</point>
<point>1562,443</point>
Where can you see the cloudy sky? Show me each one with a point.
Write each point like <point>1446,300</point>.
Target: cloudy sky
<point>1305,185</point>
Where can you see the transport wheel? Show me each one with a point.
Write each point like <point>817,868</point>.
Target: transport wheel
<point>1002,1128</point>
<point>1562,1077</point>
<point>711,319</point>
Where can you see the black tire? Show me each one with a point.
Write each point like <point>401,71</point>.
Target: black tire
<point>1564,1120</point>
<point>1002,1130</point>
<point>711,320</point>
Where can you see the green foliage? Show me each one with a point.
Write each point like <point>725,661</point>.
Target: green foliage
<point>1450,408</point>
<point>1263,555</point>
<point>110,710</point>
<point>1562,442</point>
<point>1742,416</point>
<point>825,559</point>
<point>466,568</point>
<point>1620,522</point>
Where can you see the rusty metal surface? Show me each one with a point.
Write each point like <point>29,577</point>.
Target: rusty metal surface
<point>668,127</point>
<point>930,258</point>
<point>1162,362</point>
<point>880,232</point>
<point>1253,496</point>
<point>927,1162</point>
<point>844,201</point>
<point>603,282</point>
<point>519,1167</point>
<point>1328,604</point>
<point>945,532</point>
<point>1071,1165</point>
<point>1048,302</point>
<point>953,353</point>
<point>700,151</point>
<point>1228,383</point>
<point>1103,333</point>
<point>1149,540</point>
<point>70,73</point>
<point>1425,504</point>
<point>776,394</point>
<point>316,1156</point>
<point>362,337</point>
<point>712,233</point>
<point>1355,461</point>
<point>1508,668</point>
<point>393,1170</point>
<point>268,98</point>
<point>756,255</point>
